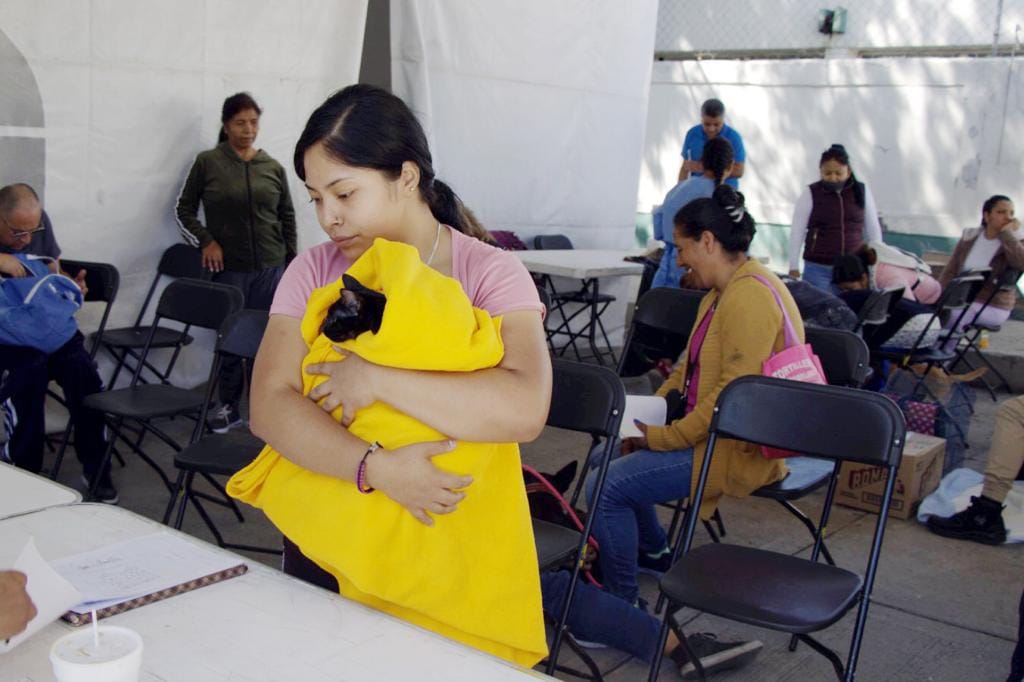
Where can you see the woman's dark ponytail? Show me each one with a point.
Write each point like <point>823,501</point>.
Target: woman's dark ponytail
<point>717,157</point>
<point>724,215</point>
<point>444,204</point>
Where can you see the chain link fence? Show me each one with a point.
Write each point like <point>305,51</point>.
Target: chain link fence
<point>766,29</point>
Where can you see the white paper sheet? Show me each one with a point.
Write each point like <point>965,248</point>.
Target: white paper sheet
<point>647,409</point>
<point>51,594</point>
<point>138,567</point>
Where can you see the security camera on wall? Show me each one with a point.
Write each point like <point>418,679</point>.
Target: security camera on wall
<point>832,21</point>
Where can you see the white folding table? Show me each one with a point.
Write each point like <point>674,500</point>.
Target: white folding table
<point>263,625</point>
<point>587,265</point>
<point>22,492</point>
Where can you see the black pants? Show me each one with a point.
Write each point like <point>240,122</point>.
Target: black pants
<point>258,288</point>
<point>24,376</point>
<point>298,565</point>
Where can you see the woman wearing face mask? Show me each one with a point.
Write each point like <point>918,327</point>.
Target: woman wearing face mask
<point>833,217</point>
<point>364,159</point>
<point>249,236</point>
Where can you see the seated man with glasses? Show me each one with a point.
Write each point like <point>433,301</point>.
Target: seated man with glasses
<point>26,372</point>
<point>31,232</point>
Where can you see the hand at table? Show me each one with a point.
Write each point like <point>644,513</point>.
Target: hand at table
<point>408,477</point>
<point>16,608</point>
<point>349,383</point>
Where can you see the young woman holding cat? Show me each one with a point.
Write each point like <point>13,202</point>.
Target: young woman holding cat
<point>364,159</point>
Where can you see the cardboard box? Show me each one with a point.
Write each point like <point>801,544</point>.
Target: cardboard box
<point>861,486</point>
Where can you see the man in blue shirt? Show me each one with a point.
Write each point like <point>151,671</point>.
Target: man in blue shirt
<point>712,124</point>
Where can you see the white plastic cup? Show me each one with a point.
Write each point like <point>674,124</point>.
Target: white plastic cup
<point>75,658</point>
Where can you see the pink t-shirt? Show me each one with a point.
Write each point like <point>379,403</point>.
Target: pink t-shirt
<point>494,280</point>
<point>927,288</point>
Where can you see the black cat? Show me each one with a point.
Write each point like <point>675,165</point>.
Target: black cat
<point>358,310</point>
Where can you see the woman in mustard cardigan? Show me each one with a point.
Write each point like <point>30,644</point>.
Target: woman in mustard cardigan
<point>739,325</point>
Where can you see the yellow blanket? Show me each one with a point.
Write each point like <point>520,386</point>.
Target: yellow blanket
<point>472,576</point>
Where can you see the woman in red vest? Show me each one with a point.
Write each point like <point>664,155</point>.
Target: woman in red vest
<point>833,217</point>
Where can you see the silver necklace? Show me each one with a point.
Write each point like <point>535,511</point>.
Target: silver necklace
<point>433,251</point>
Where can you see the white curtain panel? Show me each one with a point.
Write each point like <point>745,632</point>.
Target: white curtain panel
<point>131,91</point>
<point>535,110</point>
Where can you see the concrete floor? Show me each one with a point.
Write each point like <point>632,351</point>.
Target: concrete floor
<point>943,610</point>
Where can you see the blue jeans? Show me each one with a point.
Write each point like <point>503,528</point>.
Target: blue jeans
<point>597,616</point>
<point>625,521</point>
<point>820,276</point>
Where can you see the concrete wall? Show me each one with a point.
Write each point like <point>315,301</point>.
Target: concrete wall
<point>793,24</point>
<point>929,135</point>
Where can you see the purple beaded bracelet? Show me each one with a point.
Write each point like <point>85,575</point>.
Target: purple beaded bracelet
<point>361,484</point>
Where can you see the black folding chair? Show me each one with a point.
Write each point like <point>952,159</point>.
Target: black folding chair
<point>588,297</point>
<point>952,304</point>
<point>190,302</point>
<point>876,310</point>
<point>219,454</point>
<point>125,343</point>
<point>102,281</point>
<point>769,589</point>
<point>586,399</point>
<point>662,321</point>
<point>844,358</point>
<point>1006,281</point>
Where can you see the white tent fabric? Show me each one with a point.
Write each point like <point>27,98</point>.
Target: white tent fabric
<point>131,92</point>
<point>535,110</point>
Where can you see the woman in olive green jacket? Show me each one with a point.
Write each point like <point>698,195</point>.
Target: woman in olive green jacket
<point>249,233</point>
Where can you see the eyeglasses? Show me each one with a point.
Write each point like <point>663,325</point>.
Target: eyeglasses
<point>23,234</point>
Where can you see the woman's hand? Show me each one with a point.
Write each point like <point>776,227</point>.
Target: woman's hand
<point>633,444</point>
<point>1011,225</point>
<point>349,383</point>
<point>213,257</point>
<point>408,477</point>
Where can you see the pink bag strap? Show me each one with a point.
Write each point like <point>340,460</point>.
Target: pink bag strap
<point>791,338</point>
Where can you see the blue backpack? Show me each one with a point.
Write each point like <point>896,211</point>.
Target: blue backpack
<point>38,311</point>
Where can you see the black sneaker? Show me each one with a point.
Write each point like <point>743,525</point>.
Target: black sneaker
<point>981,522</point>
<point>646,564</point>
<point>224,419</point>
<point>106,492</point>
<point>714,656</point>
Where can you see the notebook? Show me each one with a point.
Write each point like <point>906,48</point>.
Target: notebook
<point>140,571</point>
